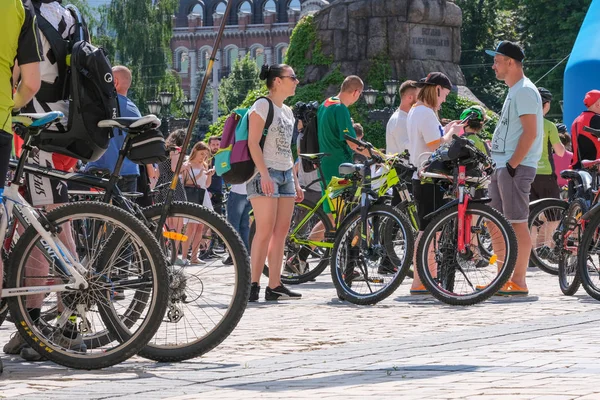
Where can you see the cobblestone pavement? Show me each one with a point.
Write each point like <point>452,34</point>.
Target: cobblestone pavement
<point>544,346</point>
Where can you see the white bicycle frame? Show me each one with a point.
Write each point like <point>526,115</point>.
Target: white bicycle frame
<point>67,263</point>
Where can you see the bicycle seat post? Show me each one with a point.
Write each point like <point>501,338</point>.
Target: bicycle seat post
<point>19,176</point>
<point>115,175</point>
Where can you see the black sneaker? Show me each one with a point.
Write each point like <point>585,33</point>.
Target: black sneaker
<point>254,292</point>
<point>228,261</point>
<point>281,293</point>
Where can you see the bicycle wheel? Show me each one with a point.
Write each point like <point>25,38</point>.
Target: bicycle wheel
<point>472,277</point>
<point>571,232</point>
<point>302,263</point>
<point>588,260</point>
<point>543,222</point>
<point>356,272</point>
<point>122,255</point>
<point>206,301</point>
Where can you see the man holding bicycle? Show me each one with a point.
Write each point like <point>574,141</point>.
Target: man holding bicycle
<point>20,51</point>
<point>516,149</point>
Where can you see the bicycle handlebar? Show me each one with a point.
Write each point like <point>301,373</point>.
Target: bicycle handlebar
<point>374,156</point>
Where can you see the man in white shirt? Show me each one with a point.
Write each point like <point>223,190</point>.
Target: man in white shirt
<point>396,136</point>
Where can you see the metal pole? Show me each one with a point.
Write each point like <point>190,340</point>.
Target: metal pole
<point>194,117</point>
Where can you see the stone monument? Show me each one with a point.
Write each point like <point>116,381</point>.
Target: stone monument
<point>416,36</point>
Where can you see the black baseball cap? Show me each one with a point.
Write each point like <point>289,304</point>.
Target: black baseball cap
<point>434,79</point>
<point>508,49</point>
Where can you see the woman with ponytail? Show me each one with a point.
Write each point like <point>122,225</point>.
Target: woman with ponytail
<point>274,187</point>
<point>425,135</point>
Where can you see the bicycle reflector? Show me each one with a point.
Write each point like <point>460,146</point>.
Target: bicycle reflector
<point>175,236</point>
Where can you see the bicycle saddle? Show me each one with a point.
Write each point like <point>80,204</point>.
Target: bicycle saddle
<point>349,168</point>
<point>316,157</point>
<point>37,120</point>
<point>131,123</point>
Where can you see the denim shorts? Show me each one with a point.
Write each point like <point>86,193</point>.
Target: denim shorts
<point>283,183</point>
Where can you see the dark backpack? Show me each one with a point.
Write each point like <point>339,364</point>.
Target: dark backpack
<point>233,160</point>
<point>85,79</point>
<point>309,139</point>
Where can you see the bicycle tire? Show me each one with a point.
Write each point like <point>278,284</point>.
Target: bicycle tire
<point>339,265</point>
<point>289,252</point>
<point>569,278</point>
<point>237,306</point>
<point>444,288</point>
<point>544,206</point>
<point>588,248</point>
<point>129,344</point>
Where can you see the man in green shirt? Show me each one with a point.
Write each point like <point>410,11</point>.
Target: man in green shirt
<point>334,122</point>
<point>545,185</point>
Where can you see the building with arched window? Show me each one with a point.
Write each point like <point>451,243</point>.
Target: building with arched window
<point>259,27</point>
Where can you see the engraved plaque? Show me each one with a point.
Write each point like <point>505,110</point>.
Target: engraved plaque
<point>430,42</point>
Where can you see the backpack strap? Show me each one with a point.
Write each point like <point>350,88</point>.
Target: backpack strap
<point>268,122</point>
<point>52,92</point>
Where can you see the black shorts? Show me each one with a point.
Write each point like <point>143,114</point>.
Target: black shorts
<point>544,187</point>
<point>428,198</point>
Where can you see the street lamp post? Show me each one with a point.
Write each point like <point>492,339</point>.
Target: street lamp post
<point>389,97</point>
<point>165,99</point>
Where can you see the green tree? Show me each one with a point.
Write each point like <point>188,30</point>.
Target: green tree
<point>548,31</point>
<point>143,30</point>
<point>234,88</point>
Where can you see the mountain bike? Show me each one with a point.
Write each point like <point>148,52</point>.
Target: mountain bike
<point>219,291</point>
<point>312,232</point>
<point>468,249</point>
<point>588,262</point>
<point>371,234</point>
<point>71,260</point>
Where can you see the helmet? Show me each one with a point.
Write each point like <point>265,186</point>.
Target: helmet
<point>546,95</point>
<point>474,109</point>
<point>562,128</point>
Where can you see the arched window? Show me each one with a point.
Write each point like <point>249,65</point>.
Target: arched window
<point>182,60</point>
<point>221,8</point>
<point>295,5</point>
<point>198,10</point>
<point>246,7</point>
<point>203,57</point>
<point>231,54</point>
<point>258,54</point>
<point>270,6</point>
<point>281,50</point>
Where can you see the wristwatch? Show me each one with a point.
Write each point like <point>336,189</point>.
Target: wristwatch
<point>511,170</point>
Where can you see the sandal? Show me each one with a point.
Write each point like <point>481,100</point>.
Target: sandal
<point>421,290</point>
<point>512,289</point>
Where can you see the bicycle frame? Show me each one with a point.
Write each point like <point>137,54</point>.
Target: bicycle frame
<point>67,264</point>
<point>464,220</point>
<point>334,212</point>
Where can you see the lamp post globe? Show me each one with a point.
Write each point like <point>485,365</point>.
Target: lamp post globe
<point>391,86</point>
<point>165,98</point>
<point>188,106</point>
<point>154,107</point>
<point>370,96</point>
